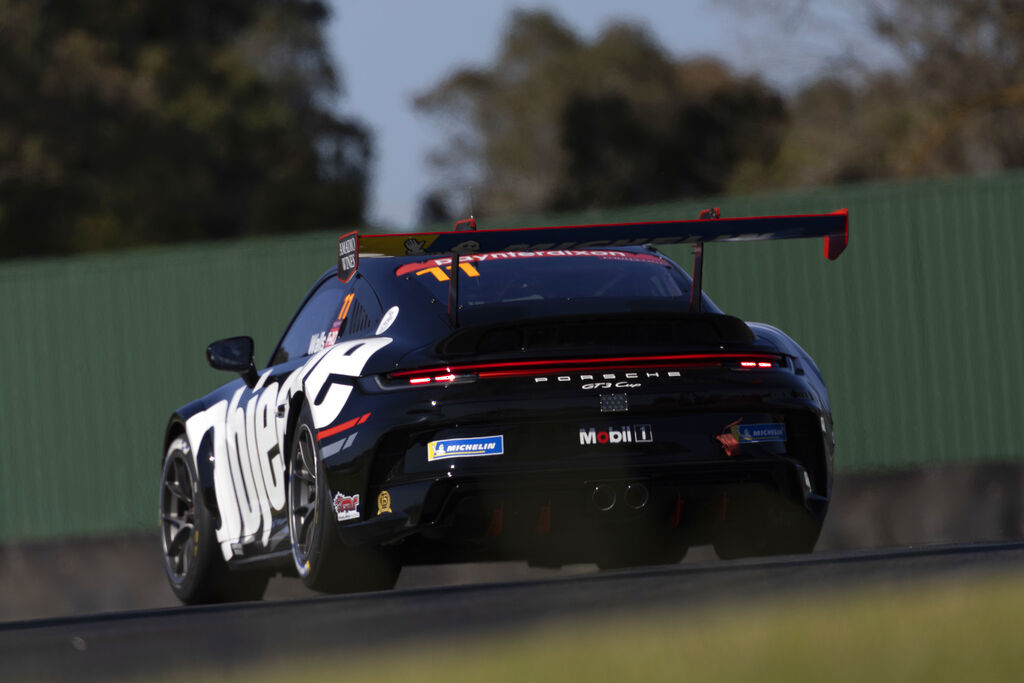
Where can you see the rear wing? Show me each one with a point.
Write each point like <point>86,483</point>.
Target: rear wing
<point>833,227</point>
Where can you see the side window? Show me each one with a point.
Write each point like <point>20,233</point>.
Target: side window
<point>312,327</point>
<point>363,314</point>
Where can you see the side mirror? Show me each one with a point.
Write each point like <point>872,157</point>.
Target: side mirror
<point>236,355</point>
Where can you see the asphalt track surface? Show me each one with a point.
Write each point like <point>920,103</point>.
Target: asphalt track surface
<point>177,641</point>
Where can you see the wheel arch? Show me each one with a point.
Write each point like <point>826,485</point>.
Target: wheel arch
<point>294,409</point>
<point>202,456</point>
<point>175,428</point>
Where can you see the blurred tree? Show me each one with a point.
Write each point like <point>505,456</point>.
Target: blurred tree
<point>128,123</point>
<point>559,123</point>
<point>953,102</point>
<point>434,209</point>
<point>965,63</point>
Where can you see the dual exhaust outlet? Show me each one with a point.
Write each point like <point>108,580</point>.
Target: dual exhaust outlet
<point>605,497</point>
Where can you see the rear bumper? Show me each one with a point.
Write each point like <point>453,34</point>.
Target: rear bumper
<point>535,489</point>
<point>520,515</point>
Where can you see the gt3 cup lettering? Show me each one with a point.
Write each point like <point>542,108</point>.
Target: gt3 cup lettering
<point>609,385</point>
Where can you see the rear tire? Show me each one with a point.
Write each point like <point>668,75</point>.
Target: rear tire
<point>322,561</point>
<point>193,562</point>
<point>762,523</point>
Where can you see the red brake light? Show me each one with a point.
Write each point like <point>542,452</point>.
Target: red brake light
<point>420,378</point>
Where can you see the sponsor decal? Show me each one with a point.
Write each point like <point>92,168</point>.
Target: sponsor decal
<point>348,256</point>
<point>347,507</point>
<point>317,343</point>
<point>415,246</point>
<point>591,436</point>
<point>465,448</point>
<point>383,503</point>
<point>387,320</point>
<point>467,247</point>
<point>332,336</point>
<point>466,255</point>
<point>759,433</point>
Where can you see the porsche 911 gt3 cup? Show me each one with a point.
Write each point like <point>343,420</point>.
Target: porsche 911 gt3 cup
<point>555,395</point>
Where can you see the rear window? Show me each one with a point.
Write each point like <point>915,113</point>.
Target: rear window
<point>549,276</point>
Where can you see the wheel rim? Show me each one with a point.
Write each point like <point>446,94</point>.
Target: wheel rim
<point>302,498</point>
<point>178,518</point>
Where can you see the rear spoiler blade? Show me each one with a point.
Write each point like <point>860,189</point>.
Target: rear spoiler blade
<point>833,227</point>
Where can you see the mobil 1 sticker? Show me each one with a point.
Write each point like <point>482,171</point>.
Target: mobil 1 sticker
<point>626,434</point>
<point>760,433</point>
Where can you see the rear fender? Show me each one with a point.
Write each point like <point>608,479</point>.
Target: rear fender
<point>328,383</point>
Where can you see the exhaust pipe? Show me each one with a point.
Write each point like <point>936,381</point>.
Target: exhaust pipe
<point>636,496</point>
<point>603,497</point>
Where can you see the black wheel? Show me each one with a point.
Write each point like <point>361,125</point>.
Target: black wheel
<point>192,560</point>
<point>322,561</point>
<point>759,523</point>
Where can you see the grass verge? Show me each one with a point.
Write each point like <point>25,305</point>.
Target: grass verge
<point>972,629</point>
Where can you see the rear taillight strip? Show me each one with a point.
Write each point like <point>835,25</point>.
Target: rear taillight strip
<point>538,367</point>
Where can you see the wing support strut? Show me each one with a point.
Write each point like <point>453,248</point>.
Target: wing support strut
<point>698,271</point>
<point>696,289</point>
<point>453,293</point>
<point>468,224</point>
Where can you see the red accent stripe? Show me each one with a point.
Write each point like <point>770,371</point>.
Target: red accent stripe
<point>568,364</point>
<point>337,429</point>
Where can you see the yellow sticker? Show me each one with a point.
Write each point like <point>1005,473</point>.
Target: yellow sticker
<point>383,502</point>
<point>439,273</point>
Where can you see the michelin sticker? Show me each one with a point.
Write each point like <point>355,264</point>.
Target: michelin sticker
<point>387,320</point>
<point>762,433</point>
<point>465,448</point>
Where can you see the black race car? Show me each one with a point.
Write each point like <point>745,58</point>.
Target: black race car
<point>555,395</point>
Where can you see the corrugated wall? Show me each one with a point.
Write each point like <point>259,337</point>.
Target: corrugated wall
<point>916,328</point>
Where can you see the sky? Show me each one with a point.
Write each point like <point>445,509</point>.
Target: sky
<point>388,51</point>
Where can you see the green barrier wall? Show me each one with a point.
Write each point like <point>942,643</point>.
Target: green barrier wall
<point>916,329</point>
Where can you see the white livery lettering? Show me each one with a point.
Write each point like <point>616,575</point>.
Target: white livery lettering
<point>249,434</point>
